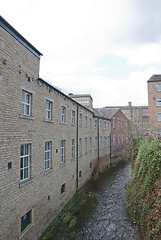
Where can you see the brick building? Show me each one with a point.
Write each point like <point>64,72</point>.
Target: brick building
<point>138,116</point>
<point>50,144</point>
<point>120,132</point>
<point>154,103</point>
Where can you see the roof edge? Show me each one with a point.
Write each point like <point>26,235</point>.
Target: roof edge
<point>6,26</point>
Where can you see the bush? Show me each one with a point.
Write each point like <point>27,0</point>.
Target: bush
<point>143,199</point>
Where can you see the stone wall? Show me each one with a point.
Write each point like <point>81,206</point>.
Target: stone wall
<point>40,195</point>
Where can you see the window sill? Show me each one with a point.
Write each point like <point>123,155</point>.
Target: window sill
<point>25,182</point>
<point>72,159</point>
<point>49,120</point>
<point>63,123</point>
<point>62,164</point>
<point>26,117</point>
<point>47,171</point>
<point>28,228</point>
<point>73,124</point>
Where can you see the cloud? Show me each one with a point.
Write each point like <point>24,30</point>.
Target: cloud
<point>143,23</point>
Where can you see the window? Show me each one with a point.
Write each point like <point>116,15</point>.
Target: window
<point>100,124</point>
<point>73,117</point>
<point>104,124</point>
<point>80,147</point>
<point>80,119</point>
<point>62,188</point>
<point>73,148</point>
<point>48,110</point>
<point>108,140</point>
<point>26,103</point>
<point>100,142</point>
<point>63,114</point>
<point>114,142</point>
<point>90,144</point>
<point>158,87</point>
<point>95,123</point>
<point>122,140</point>
<point>85,121</point>
<point>159,117</point>
<point>104,141</point>
<point>95,143</point>
<point>118,140</point>
<point>26,219</point>
<point>108,125</point>
<point>25,162</point>
<point>159,102</point>
<point>62,151</point>
<point>80,173</point>
<point>113,122</point>
<point>90,123</point>
<point>47,155</point>
<point>85,142</point>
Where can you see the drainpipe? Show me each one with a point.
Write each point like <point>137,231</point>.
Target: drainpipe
<point>110,148</point>
<point>98,138</point>
<point>77,149</point>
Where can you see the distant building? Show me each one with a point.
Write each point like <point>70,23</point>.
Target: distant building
<point>84,99</point>
<point>138,116</point>
<point>120,132</point>
<point>154,103</point>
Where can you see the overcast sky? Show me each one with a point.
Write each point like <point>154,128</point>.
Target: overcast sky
<point>106,48</point>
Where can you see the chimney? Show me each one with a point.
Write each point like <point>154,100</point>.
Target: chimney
<point>129,104</point>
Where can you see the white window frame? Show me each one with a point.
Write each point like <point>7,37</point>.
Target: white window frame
<point>159,102</point>
<point>96,143</point>
<point>25,161</point>
<point>158,87</point>
<point>100,145</point>
<point>108,125</point>
<point>95,123</point>
<point>63,114</point>
<point>100,124</point>
<point>48,109</point>
<point>63,151</point>
<point>47,155</point>
<point>108,140</point>
<point>73,117</point>
<point>26,103</point>
<point>158,117</point>
<point>73,149</point>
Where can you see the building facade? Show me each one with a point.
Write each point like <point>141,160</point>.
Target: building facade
<point>154,103</point>
<point>50,143</point>
<point>120,133</point>
<point>139,118</point>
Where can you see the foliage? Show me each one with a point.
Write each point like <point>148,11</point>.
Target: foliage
<point>144,191</point>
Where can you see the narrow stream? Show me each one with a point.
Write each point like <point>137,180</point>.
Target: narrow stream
<point>107,218</point>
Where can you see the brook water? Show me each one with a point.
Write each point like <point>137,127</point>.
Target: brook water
<point>107,217</point>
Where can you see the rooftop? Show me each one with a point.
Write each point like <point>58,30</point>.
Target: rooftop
<point>155,78</point>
